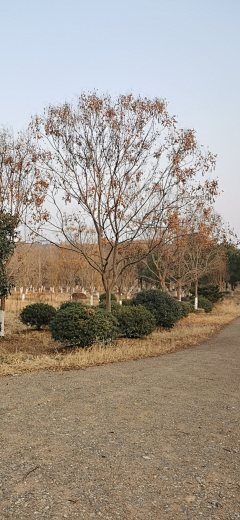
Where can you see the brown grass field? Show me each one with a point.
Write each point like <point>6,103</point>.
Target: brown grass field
<point>24,350</point>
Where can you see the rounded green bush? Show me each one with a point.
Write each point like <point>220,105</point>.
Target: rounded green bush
<point>126,302</point>
<point>211,292</point>
<point>203,303</point>
<point>104,296</point>
<point>37,315</point>
<point>136,322</point>
<point>72,304</point>
<point>80,325</point>
<point>187,307</point>
<point>164,308</point>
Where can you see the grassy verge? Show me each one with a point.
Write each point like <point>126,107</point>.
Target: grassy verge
<point>32,351</point>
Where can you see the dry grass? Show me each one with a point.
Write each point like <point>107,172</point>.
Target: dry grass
<point>15,304</point>
<point>30,351</point>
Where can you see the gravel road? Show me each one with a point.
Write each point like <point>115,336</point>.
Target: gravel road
<point>143,440</point>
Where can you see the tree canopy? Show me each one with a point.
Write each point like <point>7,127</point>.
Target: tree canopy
<point>233,265</point>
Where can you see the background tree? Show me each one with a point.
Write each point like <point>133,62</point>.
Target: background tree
<point>155,269</point>
<point>203,252</point>
<point>167,261</point>
<point>22,189</point>
<point>233,265</point>
<point>7,244</point>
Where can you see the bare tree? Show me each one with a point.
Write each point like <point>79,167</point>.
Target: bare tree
<point>123,166</point>
<point>22,189</point>
<point>203,253</point>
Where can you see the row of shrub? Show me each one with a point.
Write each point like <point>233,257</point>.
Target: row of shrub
<point>78,324</point>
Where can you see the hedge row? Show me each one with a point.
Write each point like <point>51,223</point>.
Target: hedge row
<point>81,325</point>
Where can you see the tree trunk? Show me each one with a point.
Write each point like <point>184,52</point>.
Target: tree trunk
<point>179,287</point>
<point>179,291</point>
<point>120,295</point>
<point>91,293</point>
<point>108,300</point>
<point>2,314</point>
<point>163,285</point>
<point>196,295</point>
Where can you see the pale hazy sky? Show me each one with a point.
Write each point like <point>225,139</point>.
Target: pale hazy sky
<point>187,51</point>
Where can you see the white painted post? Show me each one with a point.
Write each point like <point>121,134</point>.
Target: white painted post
<point>196,304</point>
<point>91,299</point>
<point>2,323</point>
<point>23,296</point>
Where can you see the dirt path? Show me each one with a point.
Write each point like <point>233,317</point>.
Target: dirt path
<point>150,439</point>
